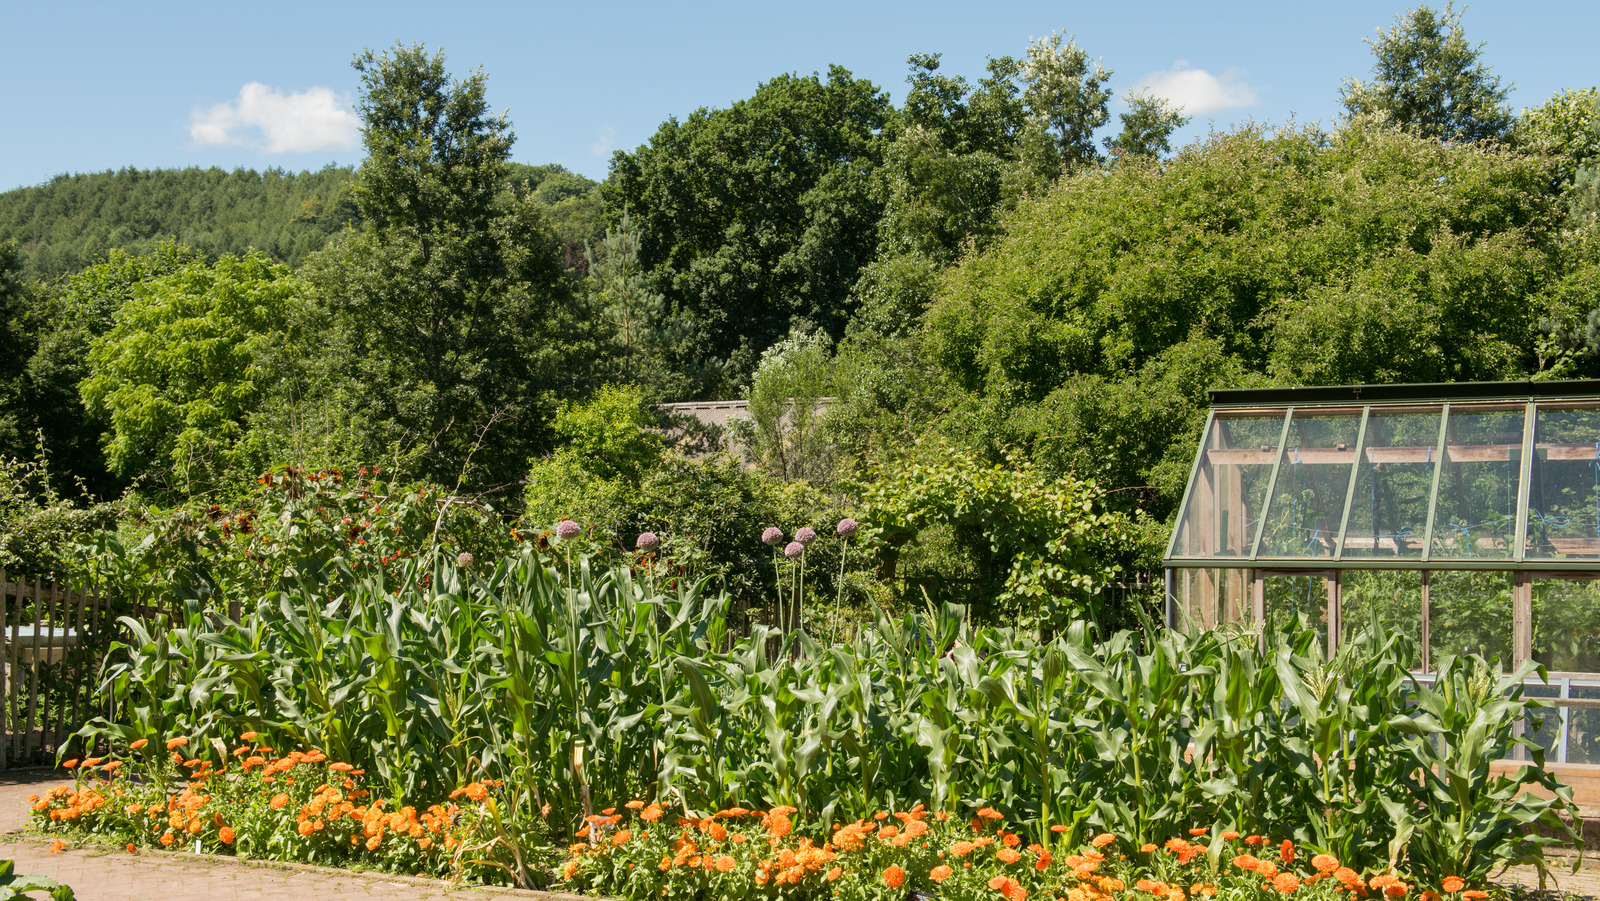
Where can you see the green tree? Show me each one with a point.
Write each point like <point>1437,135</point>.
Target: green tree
<point>1428,80</point>
<point>756,215</point>
<point>1147,127</point>
<point>445,306</point>
<point>788,408</point>
<point>177,376</point>
<point>1066,98</point>
<point>14,302</point>
<point>644,334</point>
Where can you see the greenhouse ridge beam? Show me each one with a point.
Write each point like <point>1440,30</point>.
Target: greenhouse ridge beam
<point>1434,392</point>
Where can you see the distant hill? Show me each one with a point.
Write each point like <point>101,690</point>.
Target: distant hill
<point>67,223</point>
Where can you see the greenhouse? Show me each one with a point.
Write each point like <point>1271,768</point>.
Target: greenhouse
<point>1464,514</point>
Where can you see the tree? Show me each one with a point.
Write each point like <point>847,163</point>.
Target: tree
<point>14,302</point>
<point>1147,127</point>
<point>175,380</point>
<point>1428,80</point>
<point>1066,99</point>
<point>444,307</point>
<point>757,215</point>
<point>643,333</point>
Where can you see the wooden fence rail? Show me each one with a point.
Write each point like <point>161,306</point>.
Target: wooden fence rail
<point>48,663</point>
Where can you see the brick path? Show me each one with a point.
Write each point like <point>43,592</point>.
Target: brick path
<point>100,874</point>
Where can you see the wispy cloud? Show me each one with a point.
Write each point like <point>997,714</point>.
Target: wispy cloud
<point>605,137</point>
<point>1197,91</point>
<point>275,122</point>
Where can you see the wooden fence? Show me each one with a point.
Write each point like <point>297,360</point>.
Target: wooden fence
<point>51,642</point>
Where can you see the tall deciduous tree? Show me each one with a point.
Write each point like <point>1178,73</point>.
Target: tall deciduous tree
<point>1429,81</point>
<point>759,215</point>
<point>444,305</point>
<point>1147,127</point>
<point>1066,97</point>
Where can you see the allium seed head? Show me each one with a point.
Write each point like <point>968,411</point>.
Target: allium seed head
<point>648,541</point>
<point>464,559</point>
<point>567,530</point>
<point>794,549</point>
<point>806,535</point>
<point>847,527</point>
<point>772,535</point>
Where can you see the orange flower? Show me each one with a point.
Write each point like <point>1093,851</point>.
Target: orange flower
<point>1198,831</point>
<point>1453,884</point>
<point>1230,834</point>
<point>1007,855</point>
<point>725,864</point>
<point>1475,895</point>
<point>345,768</point>
<point>1325,863</point>
<point>651,813</point>
<point>634,805</point>
<point>138,744</point>
<point>1267,870</point>
<point>961,849</point>
<point>989,813</point>
<point>58,846</point>
<point>894,877</point>
<point>940,873</point>
<point>1383,880</point>
<point>998,883</point>
<point>247,736</point>
<point>1246,862</point>
<point>1060,828</point>
<point>1397,890</point>
<point>1147,847</point>
<point>225,835</point>
<point>306,827</point>
<point>175,743</point>
<point>1254,840</point>
<point>279,800</point>
<point>1285,883</point>
<point>132,848</point>
<point>1347,877</point>
<point>1431,895</point>
<point>71,763</point>
<point>834,874</point>
<point>1286,851</point>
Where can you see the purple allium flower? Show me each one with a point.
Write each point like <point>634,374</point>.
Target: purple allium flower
<point>847,527</point>
<point>794,549</point>
<point>772,535</point>
<point>648,541</point>
<point>806,535</point>
<point>464,559</point>
<point>567,530</point>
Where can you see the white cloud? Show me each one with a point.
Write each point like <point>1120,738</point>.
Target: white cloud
<point>605,136</point>
<point>275,122</point>
<point>1197,91</point>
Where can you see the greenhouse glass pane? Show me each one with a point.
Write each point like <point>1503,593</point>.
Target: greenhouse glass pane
<point>1308,498</point>
<point>1225,499</point>
<point>1389,599</point>
<point>1475,515</point>
<point>1566,624</point>
<point>1470,613</point>
<point>1564,487</point>
<point>1389,511</point>
<point>1543,726</point>
<point>1211,597</point>
<point>1295,602</point>
<point>1583,729</point>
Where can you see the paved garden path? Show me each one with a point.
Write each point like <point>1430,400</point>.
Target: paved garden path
<point>100,874</point>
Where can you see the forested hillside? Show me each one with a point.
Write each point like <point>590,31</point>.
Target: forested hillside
<point>72,221</point>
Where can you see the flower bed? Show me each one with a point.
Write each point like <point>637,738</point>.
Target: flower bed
<point>297,807</point>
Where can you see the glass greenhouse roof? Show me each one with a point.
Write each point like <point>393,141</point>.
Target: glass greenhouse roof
<point>1485,475</point>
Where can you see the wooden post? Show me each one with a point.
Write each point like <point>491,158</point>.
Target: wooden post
<point>1522,620</point>
<point>33,674</point>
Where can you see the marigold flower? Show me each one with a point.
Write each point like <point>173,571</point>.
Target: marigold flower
<point>341,767</point>
<point>175,743</point>
<point>1383,880</point>
<point>132,848</point>
<point>1246,862</point>
<point>961,849</point>
<point>1007,855</point>
<point>167,838</point>
<point>1431,895</point>
<point>57,846</point>
<point>1147,847</point>
<point>621,838</point>
<point>998,883</point>
<point>1453,884</point>
<point>1347,877</point>
<point>834,874</point>
<point>225,835</point>
<point>894,877</point>
<point>71,763</point>
<point>305,827</point>
<point>1230,834</point>
<point>989,813</point>
<point>725,864</point>
<point>1285,883</point>
<point>651,813</point>
<point>569,870</point>
<point>1396,890</point>
<point>138,744</point>
<point>1286,851</point>
<point>940,873</point>
<point>634,805</point>
<point>1060,828</point>
<point>1199,830</point>
<point>1267,870</point>
<point>1475,895</point>
<point>1325,863</point>
<point>1254,840</point>
<point>476,791</point>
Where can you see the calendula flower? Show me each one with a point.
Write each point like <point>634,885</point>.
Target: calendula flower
<point>725,864</point>
<point>138,744</point>
<point>175,743</point>
<point>1453,884</point>
<point>57,846</point>
<point>894,877</point>
<point>1325,863</point>
<point>1246,862</point>
<point>132,848</point>
<point>1286,851</point>
<point>1285,883</point>
<point>225,835</point>
<point>1008,855</point>
<point>940,873</point>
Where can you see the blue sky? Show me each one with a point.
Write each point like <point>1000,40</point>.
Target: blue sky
<point>93,86</point>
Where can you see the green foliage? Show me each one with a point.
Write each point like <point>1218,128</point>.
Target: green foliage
<point>14,302</point>
<point>580,687</point>
<point>1427,80</point>
<point>178,375</point>
<point>445,306</point>
<point>757,214</point>
<point>1046,544</point>
<point>642,333</point>
<point>73,222</point>
<point>39,528</point>
<point>1066,99</point>
<point>788,409</point>
<point>571,204</point>
<point>13,885</point>
<point>1147,128</point>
